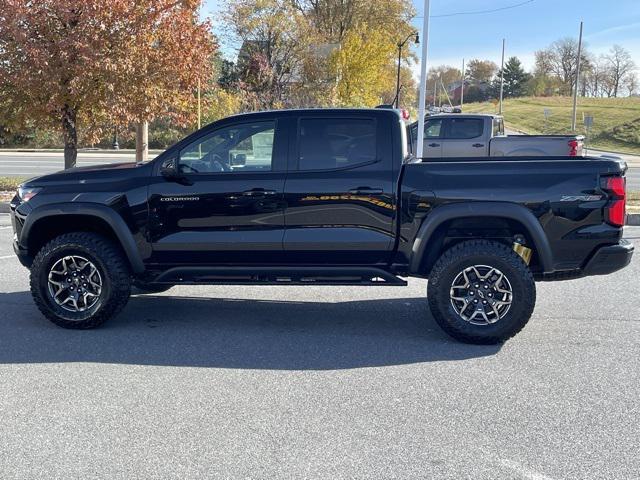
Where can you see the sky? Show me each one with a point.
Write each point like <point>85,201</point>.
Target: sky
<point>526,28</point>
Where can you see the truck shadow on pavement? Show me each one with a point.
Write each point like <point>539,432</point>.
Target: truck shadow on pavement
<point>229,333</point>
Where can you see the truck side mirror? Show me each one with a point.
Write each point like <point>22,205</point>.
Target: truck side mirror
<point>240,160</point>
<point>169,168</point>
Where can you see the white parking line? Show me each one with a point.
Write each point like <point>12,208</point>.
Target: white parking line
<point>523,471</point>
<point>7,256</point>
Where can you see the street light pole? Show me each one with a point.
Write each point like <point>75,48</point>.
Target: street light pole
<point>575,93</point>
<point>423,81</point>
<point>400,46</point>
<point>462,87</point>
<point>435,91</point>
<point>501,78</point>
<point>115,145</point>
<point>199,108</point>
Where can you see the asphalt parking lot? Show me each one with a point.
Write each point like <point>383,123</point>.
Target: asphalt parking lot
<point>320,382</point>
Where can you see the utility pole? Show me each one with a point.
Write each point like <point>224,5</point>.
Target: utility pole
<point>444,89</point>
<point>423,81</point>
<point>115,145</point>
<point>501,79</point>
<point>577,81</point>
<point>142,141</point>
<point>435,92</point>
<point>462,87</point>
<point>397,102</point>
<point>199,108</point>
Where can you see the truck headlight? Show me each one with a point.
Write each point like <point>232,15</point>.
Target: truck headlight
<point>27,193</point>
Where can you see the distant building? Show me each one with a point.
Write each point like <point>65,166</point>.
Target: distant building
<point>454,89</point>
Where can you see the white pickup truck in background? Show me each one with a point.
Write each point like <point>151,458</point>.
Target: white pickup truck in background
<point>463,135</point>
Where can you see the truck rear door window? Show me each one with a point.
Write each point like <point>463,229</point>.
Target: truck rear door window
<point>464,128</point>
<point>330,143</point>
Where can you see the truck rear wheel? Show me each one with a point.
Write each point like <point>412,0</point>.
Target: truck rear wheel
<point>80,280</point>
<point>481,292</point>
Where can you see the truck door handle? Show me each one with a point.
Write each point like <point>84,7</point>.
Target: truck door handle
<point>258,192</point>
<point>365,191</point>
<point>433,145</point>
<point>478,145</point>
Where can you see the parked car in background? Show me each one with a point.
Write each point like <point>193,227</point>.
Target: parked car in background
<point>467,135</point>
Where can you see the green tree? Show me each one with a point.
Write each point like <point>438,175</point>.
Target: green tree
<point>292,51</point>
<point>361,67</point>
<point>334,19</point>
<point>73,64</point>
<point>559,62</point>
<point>516,80</point>
<point>272,47</point>
<point>481,71</point>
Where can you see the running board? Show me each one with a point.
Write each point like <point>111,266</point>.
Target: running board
<point>278,276</point>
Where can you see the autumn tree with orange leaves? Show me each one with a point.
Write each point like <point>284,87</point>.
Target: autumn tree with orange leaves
<point>86,65</point>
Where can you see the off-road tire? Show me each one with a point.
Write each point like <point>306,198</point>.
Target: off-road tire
<point>492,254</point>
<point>111,264</point>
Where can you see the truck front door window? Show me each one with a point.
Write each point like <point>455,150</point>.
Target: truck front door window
<point>432,134</point>
<point>240,148</point>
<point>432,129</point>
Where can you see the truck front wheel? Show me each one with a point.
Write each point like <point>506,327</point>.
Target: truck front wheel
<point>79,280</point>
<point>481,292</point>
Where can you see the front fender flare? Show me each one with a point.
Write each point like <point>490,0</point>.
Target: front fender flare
<point>110,216</point>
<point>452,211</point>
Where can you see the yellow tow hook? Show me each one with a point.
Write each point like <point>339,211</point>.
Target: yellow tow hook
<point>524,252</point>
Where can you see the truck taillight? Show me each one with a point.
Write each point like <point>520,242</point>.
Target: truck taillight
<point>616,210</point>
<point>575,148</point>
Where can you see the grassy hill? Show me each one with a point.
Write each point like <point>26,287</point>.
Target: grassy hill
<point>616,124</point>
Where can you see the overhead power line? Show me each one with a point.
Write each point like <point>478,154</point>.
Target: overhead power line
<point>478,12</point>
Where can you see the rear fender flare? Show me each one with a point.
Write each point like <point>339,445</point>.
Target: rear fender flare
<point>511,211</point>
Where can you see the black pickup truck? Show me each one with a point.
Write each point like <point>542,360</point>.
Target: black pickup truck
<point>316,197</point>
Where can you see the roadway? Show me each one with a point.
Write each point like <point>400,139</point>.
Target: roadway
<point>30,164</point>
<point>320,382</point>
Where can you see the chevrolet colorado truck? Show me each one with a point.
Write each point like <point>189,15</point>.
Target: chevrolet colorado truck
<point>320,197</point>
<point>468,135</point>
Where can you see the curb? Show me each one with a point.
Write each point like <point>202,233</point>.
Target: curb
<point>123,151</point>
<point>597,150</point>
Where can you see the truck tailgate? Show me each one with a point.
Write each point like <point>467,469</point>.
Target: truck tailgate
<point>537,145</point>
